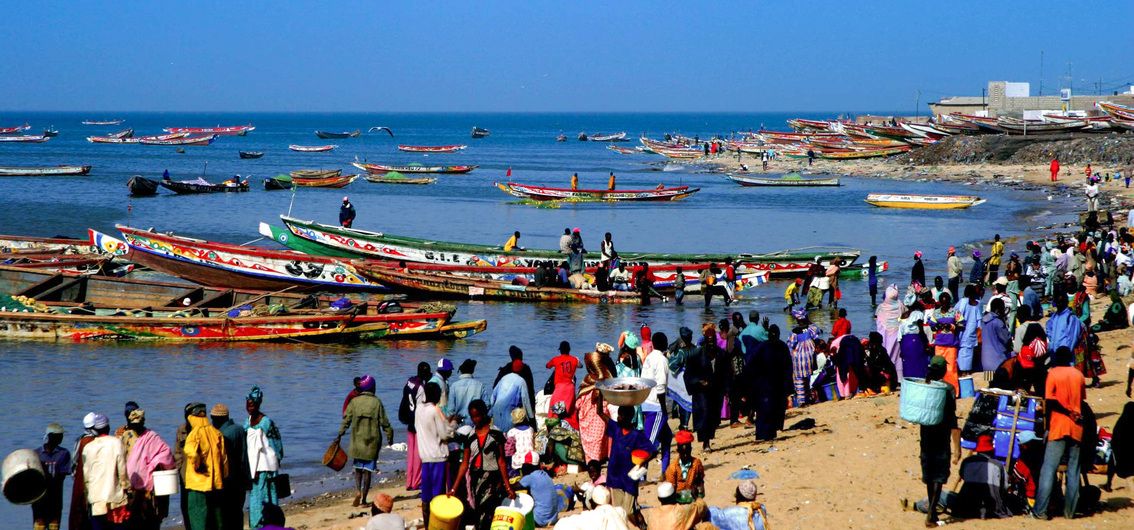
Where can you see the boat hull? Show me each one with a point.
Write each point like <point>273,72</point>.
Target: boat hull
<point>566,194</point>
<point>760,181</point>
<point>43,171</point>
<point>923,202</point>
<point>462,287</point>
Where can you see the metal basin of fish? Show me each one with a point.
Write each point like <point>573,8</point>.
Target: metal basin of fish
<point>626,391</point>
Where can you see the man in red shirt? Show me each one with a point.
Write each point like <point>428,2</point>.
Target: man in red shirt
<point>1065,392</point>
<point>842,326</point>
<point>1054,169</point>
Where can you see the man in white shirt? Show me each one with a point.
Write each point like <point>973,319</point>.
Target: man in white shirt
<point>433,431</point>
<point>104,472</point>
<point>656,366</point>
<point>565,241</point>
<point>606,249</point>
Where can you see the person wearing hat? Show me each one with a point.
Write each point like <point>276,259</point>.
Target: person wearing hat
<point>104,475</point>
<point>124,432</point>
<point>366,419</point>
<point>441,376</point>
<point>675,510</point>
<point>381,516</point>
<point>746,514</point>
<point>563,367</point>
<point>56,461</point>
<point>463,391</point>
<point>954,269</point>
<point>936,441</point>
<point>346,213</point>
<point>206,464</point>
<point>149,453</point>
<point>917,274</point>
<point>686,472</point>
<point>238,480</point>
<point>1065,391</point>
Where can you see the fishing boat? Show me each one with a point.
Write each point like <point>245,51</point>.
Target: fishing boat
<point>51,132</point>
<point>803,125</point>
<point>330,240</point>
<point>60,245</point>
<point>140,186</point>
<point>582,137</point>
<point>477,132</point>
<point>103,122</point>
<point>251,154</point>
<point>1116,111</point>
<point>923,202</point>
<point>236,130</point>
<point>540,193</point>
<point>183,141</point>
<point>129,133</point>
<point>616,137</point>
<point>395,177</point>
<point>375,317</point>
<point>311,148</point>
<point>561,138</point>
<point>200,185</point>
<point>315,173</point>
<point>25,138</point>
<point>1017,126</point>
<point>127,137</point>
<point>336,181</point>
<point>237,266</point>
<point>431,148</point>
<point>412,168</point>
<point>278,182</point>
<point>55,262</point>
<point>622,150</point>
<point>451,285</point>
<point>327,135</point>
<point>791,179</point>
<point>13,171</point>
<point>15,130</point>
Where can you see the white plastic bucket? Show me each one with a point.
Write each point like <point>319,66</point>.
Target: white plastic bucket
<point>24,479</point>
<point>165,483</point>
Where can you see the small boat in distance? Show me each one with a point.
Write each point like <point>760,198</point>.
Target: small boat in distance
<point>140,186</point>
<point>187,140</point>
<point>312,148</point>
<point>278,182</point>
<point>616,137</point>
<point>923,202</point>
<point>236,130</point>
<point>791,179</point>
<point>25,139</point>
<point>327,135</point>
<point>540,193</point>
<point>395,177</point>
<point>431,148</point>
<point>561,138</point>
<point>15,130</point>
<point>51,132</point>
<point>200,185</point>
<point>103,122</point>
<point>331,181</point>
<point>251,154</point>
<point>622,150</point>
<point>477,132</point>
<point>14,171</point>
<point>582,137</point>
<point>412,168</point>
<point>315,173</point>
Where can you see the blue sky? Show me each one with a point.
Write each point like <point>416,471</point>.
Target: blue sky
<point>547,56</point>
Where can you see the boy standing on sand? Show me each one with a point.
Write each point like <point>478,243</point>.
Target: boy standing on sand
<point>935,443</point>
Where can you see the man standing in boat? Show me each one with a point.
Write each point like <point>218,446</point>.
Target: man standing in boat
<point>574,181</point>
<point>346,213</point>
<point>610,183</point>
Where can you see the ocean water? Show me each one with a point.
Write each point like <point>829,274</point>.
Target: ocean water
<point>304,385</point>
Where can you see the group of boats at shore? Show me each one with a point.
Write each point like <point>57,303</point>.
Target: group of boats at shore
<point>330,284</point>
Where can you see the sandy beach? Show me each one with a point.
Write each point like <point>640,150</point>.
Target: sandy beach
<point>855,467</point>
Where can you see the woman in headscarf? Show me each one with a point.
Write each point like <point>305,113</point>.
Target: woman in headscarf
<point>849,359</point>
<point>887,318</point>
<point>969,315</point>
<point>914,352</point>
<point>1033,352</point>
<point>265,453</point>
<point>1122,447</point>
<point>678,353</point>
<point>563,442</point>
<point>705,376</point>
<point>592,428</point>
<point>630,363</point>
<point>802,345</point>
<point>769,374</point>
<point>883,376</point>
<point>1115,316</point>
<point>149,453</point>
<point>945,339</point>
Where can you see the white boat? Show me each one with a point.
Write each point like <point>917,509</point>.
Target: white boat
<point>923,202</point>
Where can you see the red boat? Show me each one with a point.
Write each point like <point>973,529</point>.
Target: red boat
<point>236,130</point>
<point>431,148</point>
<point>14,130</point>
<point>114,139</point>
<point>188,140</point>
<point>311,148</point>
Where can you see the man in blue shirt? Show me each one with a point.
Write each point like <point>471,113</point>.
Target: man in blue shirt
<point>1063,328</point>
<point>56,462</point>
<point>549,500</point>
<point>463,391</point>
<point>625,438</point>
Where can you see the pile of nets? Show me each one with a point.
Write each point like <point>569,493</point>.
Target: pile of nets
<point>21,304</point>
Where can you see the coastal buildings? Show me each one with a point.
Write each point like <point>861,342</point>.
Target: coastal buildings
<point>1003,98</point>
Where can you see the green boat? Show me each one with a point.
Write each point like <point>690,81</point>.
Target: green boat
<point>329,240</point>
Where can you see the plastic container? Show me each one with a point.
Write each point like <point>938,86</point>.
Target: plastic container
<point>507,518</point>
<point>923,403</point>
<point>524,504</point>
<point>831,392</point>
<point>967,387</point>
<point>165,482</point>
<point>24,479</point>
<point>335,458</point>
<point>445,513</point>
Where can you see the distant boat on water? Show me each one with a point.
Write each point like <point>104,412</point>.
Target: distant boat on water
<point>326,135</point>
<point>103,122</point>
<point>477,132</point>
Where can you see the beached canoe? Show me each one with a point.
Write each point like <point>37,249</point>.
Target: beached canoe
<point>791,179</point>
<point>48,171</point>
<point>335,181</point>
<point>200,185</point>
<point>62,245</point>
<point>541,193</point>
<point>412,168</point>
<point>923,202</point>
<point>238,266</point>
<point>140,186</point>
<point>328,135</point>
<point>332,240</point>
<point>311,148</point>
<point>431,148</point>
<point>235,130</point>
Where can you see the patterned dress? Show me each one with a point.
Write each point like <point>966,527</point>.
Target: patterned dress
<point>802,347</point>
<point>263,484</point>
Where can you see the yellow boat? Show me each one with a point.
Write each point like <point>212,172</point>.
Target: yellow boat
<point>923,202</point>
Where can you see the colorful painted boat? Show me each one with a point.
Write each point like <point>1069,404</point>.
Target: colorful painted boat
<point>330,240</point>
<point>25,138</point>
<point>61,245</point>
<point>1116,111</point>
<point>412,168</point>
<point>102,122</point>
<point>541,193</point>
<point>451,285</point>
<point>131,139</point>
<point>394,177</point>
<point>236,266</point>
<point>923,202</point>
<point>312,148</point>
<point>431,148</point>
<point>327,135</point>
<point>315,173</point>
<point>12,171</point>
<point>186,140</point>
<point>1017,126</point>
<point>15,130</point>
<point>338,181</point>
<point>236,130</point>
<point>791,179</point>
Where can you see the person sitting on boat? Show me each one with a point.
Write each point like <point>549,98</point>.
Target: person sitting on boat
<point>565,241</point>
<point>346,213</point>
<point>562,274</point>
<point>165,175</point>
<point>620,278</point>
<point>513,243</point>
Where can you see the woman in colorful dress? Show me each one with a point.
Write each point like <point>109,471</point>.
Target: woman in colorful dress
<point>265,452</point>
<point>483,469</point>
<point>802,346</point>
<point>592,428</point>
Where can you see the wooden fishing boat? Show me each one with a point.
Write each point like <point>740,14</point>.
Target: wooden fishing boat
<point>622,150</point>
<point>13,171</point>
<point>375,318</point>
<point>59,245</point>
<point>328,135</point>
<point>412,168</point>
<point>431,148</point>
<point>394,177</point>
<point>15,130</point>
<point>561,138</point>
<point>451,285</point>
<point>477,132</point>
<point>54,261</point>
<point>616,137</point>
<point>129,133</point>
<point>312,148</point>
<point>337,181</point>
<point>278,182</point>
<point>251,154</point>
<point>140,186</point>
<point>200,185</point>
<point>1116,111</point>
<point>803,125</point>
<point>102,122</point>
<point>187,140</point>
<point>51,132</point>
<point>582,137</point>
<point>923,202</point>
<point>1017,126</point>
<point>791,179</point>
<point>236,266</point>
<point>857,154</point>
<point>131,139</point>
<point>25,138</point>
<point>315,173</point>
<point>541,193</point>
<point>330,240</point>
<point>927,130</point>
<point>236,130</point>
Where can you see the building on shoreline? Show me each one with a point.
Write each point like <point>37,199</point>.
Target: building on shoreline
<point>1003,98</point>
